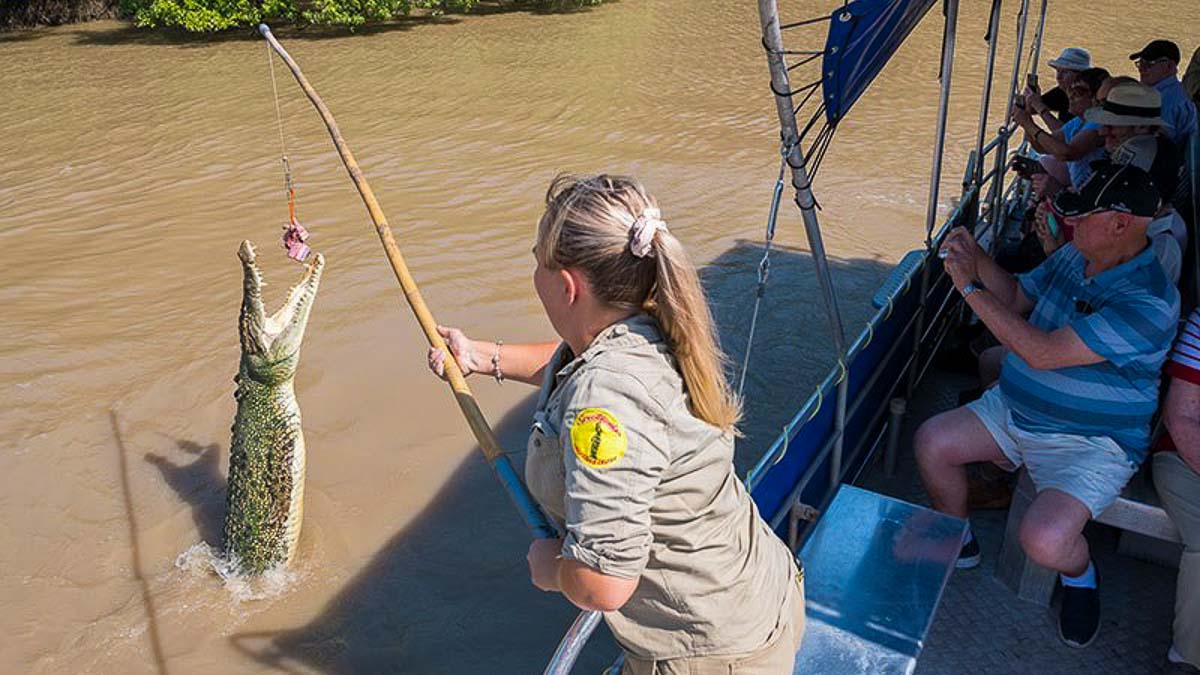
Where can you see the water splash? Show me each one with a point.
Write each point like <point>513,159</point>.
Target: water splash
<point>202,559</point>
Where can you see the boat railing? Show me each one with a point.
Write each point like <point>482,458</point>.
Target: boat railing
<point>930,335</point>
<point>982,206</point>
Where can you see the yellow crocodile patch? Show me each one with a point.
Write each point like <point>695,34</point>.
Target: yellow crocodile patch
<point>598,438</point>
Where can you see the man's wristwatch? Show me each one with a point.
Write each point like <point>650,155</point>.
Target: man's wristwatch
<point>971,287</point>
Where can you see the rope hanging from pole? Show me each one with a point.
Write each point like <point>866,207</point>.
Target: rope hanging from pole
<point>295,235</point>
<point>764,265</point>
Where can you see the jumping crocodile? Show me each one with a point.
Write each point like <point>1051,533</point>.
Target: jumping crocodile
<point>265,502</point>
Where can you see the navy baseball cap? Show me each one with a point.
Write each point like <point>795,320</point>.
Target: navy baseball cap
<point>1113,187</point>
<point>1158,49</point>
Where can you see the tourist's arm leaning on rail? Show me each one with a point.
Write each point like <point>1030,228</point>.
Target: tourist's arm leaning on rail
<point>1003,310</point>
<point>523,362</point>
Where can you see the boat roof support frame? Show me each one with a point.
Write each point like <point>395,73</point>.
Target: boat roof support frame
<point>948,38</point>
<point>946,71</point>
<point>772,40</point>
<point>992,38</point>
<point>997,206</point>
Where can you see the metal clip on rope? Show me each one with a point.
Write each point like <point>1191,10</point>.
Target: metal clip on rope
<point>764,265</point>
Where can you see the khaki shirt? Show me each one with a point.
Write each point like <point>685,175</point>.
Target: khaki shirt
<point>642,488</point>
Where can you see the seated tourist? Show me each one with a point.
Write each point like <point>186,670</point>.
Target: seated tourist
<point>1158,65</point>
<point>1078,142</point>
<point>1177,477</point>
<point>1133,129</point>
<point>1054,108</point>
<point>1167,233</point>
<point>1078,388</point>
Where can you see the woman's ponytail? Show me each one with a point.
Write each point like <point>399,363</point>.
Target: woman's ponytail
<point>610,228</point>
<point>682,312</point>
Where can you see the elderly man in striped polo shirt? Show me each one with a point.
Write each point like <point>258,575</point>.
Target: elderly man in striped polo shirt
<point>1078,387</point>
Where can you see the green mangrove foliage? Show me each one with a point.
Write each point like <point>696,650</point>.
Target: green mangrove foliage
<point>214,15</point>
<point>20,13</point>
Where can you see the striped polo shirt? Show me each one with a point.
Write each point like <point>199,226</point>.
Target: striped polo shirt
<point>1127,315</point>
<point>1185,359</point>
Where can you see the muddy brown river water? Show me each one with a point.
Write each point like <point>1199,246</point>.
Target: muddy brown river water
<point>132,165</point>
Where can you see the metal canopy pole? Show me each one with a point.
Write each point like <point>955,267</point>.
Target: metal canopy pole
<point>773,42</point>
<point>1002,147</point>
<point>935,178</point>
<point>1037,39</point>
<point>947,68</point>
<point>993,37</point>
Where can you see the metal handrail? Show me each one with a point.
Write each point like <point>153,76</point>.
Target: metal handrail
<point>1002,152</point>
<point>811,406</point>
<point>992,39</point>
<point>1003,134</point>
<point>948,35</point>
<point>572,643</point>
<point>809,409</point>
<point>779,447</point>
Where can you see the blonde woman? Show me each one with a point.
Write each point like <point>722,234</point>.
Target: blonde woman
<point>631,450</point>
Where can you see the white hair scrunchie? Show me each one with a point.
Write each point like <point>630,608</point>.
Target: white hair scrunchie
<point>642,231</point>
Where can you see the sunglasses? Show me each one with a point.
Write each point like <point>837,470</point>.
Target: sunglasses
<point>1143,64</point>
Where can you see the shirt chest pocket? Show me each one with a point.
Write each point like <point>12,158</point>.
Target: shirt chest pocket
<point>544,470</point>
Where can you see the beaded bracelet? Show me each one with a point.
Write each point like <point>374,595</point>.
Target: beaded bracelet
<point>499,375</point>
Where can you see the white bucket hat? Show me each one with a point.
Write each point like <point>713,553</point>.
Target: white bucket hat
<point>1129,105</point>
<point>1072,58</point>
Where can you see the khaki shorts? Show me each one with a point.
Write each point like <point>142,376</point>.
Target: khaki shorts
<point>777,657</point>
<point>1092,469</point>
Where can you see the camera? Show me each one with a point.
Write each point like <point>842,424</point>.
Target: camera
<point>1026,167</point>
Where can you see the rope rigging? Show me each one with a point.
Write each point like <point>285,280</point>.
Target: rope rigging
<point>764,265</point>
<point>794,155</point>
<point>294,234</point>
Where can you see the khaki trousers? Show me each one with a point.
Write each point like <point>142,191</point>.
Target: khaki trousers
<point>1179,488</point>
<point>777,657</point>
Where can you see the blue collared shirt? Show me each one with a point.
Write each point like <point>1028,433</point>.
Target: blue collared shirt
<point>1127,315</point>
<point>1080,170</point>
<point>1178,110</point>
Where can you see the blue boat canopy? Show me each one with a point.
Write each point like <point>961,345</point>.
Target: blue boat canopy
<point>863,35</point>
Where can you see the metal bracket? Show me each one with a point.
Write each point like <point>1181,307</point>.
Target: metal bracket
<point>802,511</point>
<point>799,511</point>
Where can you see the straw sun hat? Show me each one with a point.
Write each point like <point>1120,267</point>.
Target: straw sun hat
<point>1129,105</point>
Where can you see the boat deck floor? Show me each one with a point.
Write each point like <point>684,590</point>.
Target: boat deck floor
<point>983,629</point>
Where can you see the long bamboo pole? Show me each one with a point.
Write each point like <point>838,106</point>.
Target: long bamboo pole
<point>508,477</point>
<point>462,392</point>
